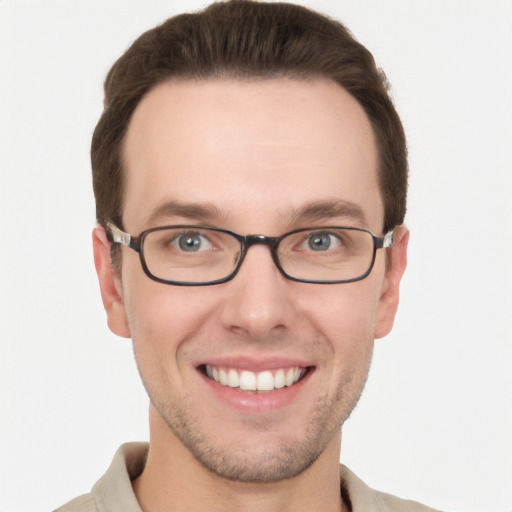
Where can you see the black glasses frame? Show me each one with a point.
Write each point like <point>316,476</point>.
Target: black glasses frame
<point>117,236</point>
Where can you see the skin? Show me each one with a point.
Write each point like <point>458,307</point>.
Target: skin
<point>255,153</point>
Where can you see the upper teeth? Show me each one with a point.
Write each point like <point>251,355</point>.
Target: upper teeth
<point>255,381</point>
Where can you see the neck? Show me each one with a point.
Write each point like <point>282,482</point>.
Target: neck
<point>174,480</point>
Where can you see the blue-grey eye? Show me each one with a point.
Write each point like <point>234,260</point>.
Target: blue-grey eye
<point>322,241</point>
<point>192,242</point>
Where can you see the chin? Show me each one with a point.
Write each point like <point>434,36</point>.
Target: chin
<point>257,455</point>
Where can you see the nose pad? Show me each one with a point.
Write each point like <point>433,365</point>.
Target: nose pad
<point>256,300</point>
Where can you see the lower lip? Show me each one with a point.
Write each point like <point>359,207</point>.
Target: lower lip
<point>257,402</point>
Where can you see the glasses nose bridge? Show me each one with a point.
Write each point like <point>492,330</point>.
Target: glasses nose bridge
<point>270,241</point>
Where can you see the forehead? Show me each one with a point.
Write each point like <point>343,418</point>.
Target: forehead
<point>249,149</point>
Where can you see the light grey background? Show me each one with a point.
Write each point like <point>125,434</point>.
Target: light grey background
<point>435,422</point>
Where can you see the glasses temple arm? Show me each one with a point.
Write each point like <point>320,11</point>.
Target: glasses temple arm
<point>117,236</point>
<point>385,241</point>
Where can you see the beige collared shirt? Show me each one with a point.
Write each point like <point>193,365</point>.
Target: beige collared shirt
<point>113,491</point>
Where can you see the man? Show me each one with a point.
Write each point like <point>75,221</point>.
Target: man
<point>250,177</point>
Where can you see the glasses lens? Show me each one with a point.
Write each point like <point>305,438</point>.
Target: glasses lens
<point>327,254</point>
<point>190,255</point>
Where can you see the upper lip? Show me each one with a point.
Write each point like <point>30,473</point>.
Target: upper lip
<point>254,364</point>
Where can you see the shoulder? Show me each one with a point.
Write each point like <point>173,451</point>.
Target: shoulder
<point>84,503</point>
<point>113,491</point>
<point>366,499</point>
<point>395,504</point>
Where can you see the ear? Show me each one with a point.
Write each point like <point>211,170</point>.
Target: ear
<point>395,267</point>
<point>110,284</point>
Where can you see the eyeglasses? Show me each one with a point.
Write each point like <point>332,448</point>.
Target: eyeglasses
<point>200,256</point>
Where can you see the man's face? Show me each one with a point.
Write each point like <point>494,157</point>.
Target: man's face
<point>261,157</point>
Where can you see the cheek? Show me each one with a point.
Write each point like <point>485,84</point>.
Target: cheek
<point>346,311</point>
<point>162,317</point>
<point>162,320</point>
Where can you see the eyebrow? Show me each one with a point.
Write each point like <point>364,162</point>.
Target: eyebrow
<point>311,212</point>
<point>193,211</point>
<point>329,209</point>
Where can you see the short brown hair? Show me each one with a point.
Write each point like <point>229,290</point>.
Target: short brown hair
<point>246,39</point>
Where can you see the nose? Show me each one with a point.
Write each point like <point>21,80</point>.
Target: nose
<point>257,301</point>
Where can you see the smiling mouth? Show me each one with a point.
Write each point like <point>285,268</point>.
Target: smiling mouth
<point>246,380</point>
